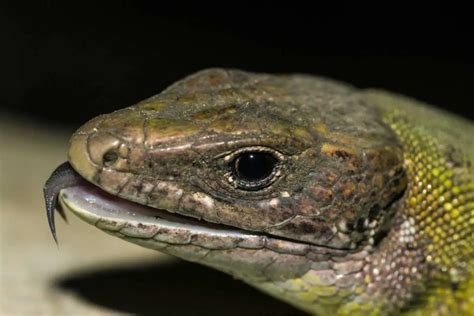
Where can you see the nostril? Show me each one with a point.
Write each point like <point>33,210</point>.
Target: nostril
<point>110,157</point>
<point>103,149</point>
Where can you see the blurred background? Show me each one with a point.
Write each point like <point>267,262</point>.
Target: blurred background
<point>63,63</point>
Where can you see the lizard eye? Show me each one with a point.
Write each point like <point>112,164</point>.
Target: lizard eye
<point>253,170</point>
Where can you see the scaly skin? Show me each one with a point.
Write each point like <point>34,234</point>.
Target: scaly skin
<point>370,210</point>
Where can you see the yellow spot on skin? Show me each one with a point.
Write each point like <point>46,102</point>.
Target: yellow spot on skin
<point>301,133</point>
<point>153,105</point>
<point>455,213</point>
<point>312,278</point>
<point>456,190</point>
<point>321,128</point>
<point>367,279</point>
<point>448,206</point>
<point>326,291</point>
<point>331,149</point>
<point>212,113</point>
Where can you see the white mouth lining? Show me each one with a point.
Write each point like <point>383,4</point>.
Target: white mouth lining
<point>129,219</point>
<point>95,203</point>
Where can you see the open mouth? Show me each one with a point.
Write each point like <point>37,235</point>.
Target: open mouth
<point>66,189</point>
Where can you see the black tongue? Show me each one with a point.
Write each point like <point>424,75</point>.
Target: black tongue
<point>62,177</point>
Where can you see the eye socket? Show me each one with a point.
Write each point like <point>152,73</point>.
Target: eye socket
<point>110,157</point>
<point>254,170</point>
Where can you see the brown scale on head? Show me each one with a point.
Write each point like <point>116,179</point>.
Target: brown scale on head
<point>331,168</point>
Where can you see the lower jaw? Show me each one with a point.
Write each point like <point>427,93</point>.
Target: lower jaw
<point>244,254</point>
<point>286,269</point>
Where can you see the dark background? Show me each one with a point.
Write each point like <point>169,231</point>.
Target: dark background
<point>65,62</point>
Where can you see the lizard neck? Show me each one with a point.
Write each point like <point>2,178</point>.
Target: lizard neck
<point>421,262</point>
<point>432,239</point>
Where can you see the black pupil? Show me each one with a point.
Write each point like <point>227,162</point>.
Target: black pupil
<point>254,166</point>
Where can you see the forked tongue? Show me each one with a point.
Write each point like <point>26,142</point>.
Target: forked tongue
<point>62,177</point>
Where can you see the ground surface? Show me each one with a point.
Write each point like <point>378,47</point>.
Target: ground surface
<point>91,273</point>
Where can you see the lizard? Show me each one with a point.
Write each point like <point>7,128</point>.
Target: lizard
<point>331,198</point>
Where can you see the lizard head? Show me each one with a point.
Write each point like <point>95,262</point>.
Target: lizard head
<point>261,176</point>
